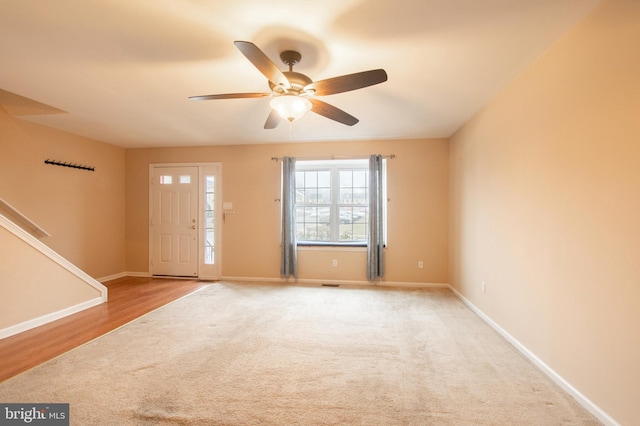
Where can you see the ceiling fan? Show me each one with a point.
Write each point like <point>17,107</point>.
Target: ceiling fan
<point>293,93</point>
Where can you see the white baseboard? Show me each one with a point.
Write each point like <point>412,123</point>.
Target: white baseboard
<point>311,281</point>
<point>314,281</point>
<point>112,277</point>
<point>44,319</point>
<point>123,275</point>
<point>127,274</point>
<point>137,274</point>
<point>559,380</point>
<point>411,285</point>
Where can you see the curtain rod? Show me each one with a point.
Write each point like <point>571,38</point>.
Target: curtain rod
<point>336,157</point>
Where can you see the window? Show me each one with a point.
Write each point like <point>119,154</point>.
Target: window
<point>332,202</point>
<point>209,219</point>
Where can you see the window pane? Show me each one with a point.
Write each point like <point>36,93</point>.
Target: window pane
<point>311,196</point>
<point>324,232</point>
<point>185,179</point>
<point>346,196</point>
<point>311,231</point>
<point>324,215</point>
<point>300,231</point>
<point>313,187</point>
<point>166,180</point>
<point>346,233</point>
<point>310,179</point>
<point>360,178</point>
<point>315,231</point>
<point>346,178</point>
<point>310,214</point>
<point>359,196</point>
<point>324,195</point>
<point>324,179</point>
<point>353,186</point>
<point>210,183</point>
<point>208,247</point>
<point>299,214</point>
<point>346,215</point>
<point>360,214</point>
<point>332,200</point>
<point>353,223</point>
<point>209,216</point>
<point>313,223</point>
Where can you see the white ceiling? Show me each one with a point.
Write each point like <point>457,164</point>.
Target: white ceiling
<point>122,70</point>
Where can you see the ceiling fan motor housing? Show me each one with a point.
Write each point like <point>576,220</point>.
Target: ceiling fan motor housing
<point>298,81</point>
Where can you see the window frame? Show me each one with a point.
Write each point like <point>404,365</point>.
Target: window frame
<point>335,166</point>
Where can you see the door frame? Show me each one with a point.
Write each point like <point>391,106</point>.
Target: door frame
<point>204,272</point>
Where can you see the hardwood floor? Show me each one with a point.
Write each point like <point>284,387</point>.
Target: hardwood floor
<point>129,298</point>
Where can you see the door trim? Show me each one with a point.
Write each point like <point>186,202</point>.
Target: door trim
<point>201,223</point>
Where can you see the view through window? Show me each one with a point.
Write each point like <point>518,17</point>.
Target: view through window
<point>332,201</point>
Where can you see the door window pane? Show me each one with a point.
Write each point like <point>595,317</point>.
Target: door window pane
<point>209,220</point>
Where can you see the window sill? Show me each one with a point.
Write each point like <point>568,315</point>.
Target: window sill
<point>332,246</point>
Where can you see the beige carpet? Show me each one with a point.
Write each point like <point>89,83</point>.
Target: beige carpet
<point>247,354</point>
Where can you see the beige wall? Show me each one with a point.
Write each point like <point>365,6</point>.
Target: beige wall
<point>545,201</point>
<point>32,285</point>
<point>417,213</point>
<point>83,211</point>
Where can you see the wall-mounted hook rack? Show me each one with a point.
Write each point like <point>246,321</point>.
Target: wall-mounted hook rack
<point>71,165</point>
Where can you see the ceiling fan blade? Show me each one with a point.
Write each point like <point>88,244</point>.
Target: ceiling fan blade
<point>329,111</point>
<point>263,63</point>
<point>346,83</point>
<point>229,96</point>
<point>272,120</point>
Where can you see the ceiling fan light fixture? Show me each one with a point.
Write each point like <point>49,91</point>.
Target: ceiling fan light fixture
<point>291,91</point>
<point>290,107</point>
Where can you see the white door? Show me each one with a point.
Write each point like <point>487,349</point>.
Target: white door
<point>174,221</point>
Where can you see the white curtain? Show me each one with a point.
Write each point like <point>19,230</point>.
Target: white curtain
<point>289,253</point>
<point>375,242</point>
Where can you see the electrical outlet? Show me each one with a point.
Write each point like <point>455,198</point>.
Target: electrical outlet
<point>335,263</point>
<point>420,264</point>
<point>484,287</point>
